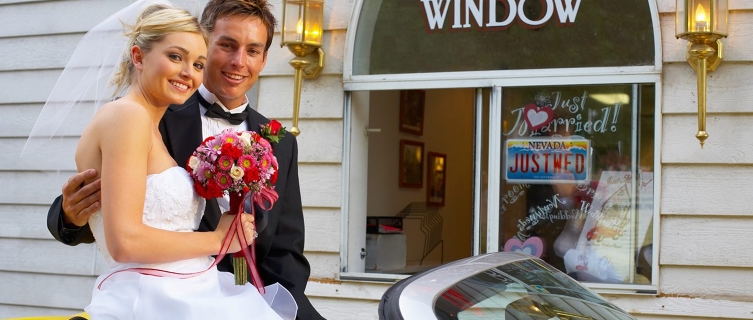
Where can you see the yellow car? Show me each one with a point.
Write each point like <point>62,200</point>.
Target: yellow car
<point>78,316</point>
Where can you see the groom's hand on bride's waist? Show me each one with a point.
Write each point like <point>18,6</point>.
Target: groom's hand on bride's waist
<point>81,198</point>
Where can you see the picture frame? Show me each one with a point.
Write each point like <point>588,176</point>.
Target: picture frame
<point>411,164</point>
<point>436,176</point>
<point>412,111</point>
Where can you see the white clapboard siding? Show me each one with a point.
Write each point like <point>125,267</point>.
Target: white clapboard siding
<point>358,290</point>
<point>47,256</point>
<point>25,116</point>
<point>24,221</point>
<point>728,89</point>
<point>322,98</point>
<point>320,140</point>
<point>707,282</point>
<point>738,46</point>
<point>49,290</point>
<point>706,241</point>
<point>31,187</point>
<point>27,86</point>
<point>20,124</point>
<point>705,190</point>
<point>729,142</point>
<point>324,266</point>
<point>320,184</point>
<point>37,52</point>
<point>336,13</point>
<point>333,42</point>
<point>682,307</point>
<point>39,159</point>
<point>322,229</point>
<point>339,309</point>
<point>55,17</point>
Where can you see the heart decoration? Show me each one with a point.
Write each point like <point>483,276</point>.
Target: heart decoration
<point>536,116</point>
<point>533,246</point>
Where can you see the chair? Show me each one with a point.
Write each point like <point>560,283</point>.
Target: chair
<point>430,222</point>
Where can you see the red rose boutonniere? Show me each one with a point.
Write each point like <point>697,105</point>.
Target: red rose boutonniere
<point>273,131</point>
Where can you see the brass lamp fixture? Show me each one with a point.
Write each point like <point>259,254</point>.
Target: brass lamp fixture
<point>302,28</point>
<point>703,23</point>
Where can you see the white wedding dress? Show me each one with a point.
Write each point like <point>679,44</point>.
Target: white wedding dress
<point>172,204</point>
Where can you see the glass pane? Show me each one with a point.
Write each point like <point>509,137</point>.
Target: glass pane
<point>420,178</point>
<point>398,36</point>
<point>577,179</point>
<point>522,290</point>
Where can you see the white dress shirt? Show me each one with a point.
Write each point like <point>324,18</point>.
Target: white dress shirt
<point>213,126</point>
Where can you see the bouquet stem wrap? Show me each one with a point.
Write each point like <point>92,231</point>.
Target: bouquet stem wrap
<point>244,261</point>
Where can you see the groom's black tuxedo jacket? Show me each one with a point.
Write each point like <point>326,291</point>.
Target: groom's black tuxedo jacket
<point>279,247</point>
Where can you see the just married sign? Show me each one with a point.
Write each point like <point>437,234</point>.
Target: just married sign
<point>547,160</point>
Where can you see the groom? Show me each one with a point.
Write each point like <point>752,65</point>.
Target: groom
<point>240,35</point>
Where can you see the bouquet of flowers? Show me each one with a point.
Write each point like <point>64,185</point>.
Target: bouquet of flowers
<point>234,163</point>
<point>239,164</point>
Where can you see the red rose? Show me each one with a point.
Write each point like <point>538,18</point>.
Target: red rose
<point>273,179</point>
<point>274,127</point>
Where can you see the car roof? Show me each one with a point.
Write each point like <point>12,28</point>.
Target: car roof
<point>416,303</point>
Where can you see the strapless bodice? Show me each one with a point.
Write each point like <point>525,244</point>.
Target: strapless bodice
<point>170,204</point>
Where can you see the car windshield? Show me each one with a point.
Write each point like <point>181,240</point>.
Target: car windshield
<point>523,290</point>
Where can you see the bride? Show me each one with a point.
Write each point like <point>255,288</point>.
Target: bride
<point>149,208</point>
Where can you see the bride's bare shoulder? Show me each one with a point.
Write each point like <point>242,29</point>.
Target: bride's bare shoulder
<point>123,110</point>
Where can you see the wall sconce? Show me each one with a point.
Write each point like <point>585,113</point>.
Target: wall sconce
<point>703,23</point>
<point>302,28</point>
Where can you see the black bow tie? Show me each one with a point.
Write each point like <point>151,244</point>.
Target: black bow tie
<point>215,111</point>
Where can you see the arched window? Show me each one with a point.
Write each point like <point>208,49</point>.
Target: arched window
<point>542,114</point>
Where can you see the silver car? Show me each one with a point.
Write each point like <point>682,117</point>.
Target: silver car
<point>503,285</point>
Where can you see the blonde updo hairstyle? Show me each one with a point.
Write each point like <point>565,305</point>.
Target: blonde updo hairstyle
<point>154,23</point>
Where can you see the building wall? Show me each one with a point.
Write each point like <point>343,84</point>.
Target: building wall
<point>706,223</point>
<point>705,220</point>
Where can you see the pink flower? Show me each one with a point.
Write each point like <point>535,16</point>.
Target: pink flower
<point>246,162</point>
<point>228,136</point>
<point>224,181</point>
<point>225,163</point>
<point>266,161</point>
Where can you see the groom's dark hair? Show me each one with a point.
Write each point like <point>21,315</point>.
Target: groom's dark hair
<point>218,9</point>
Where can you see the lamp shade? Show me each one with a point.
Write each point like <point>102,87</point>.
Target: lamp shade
<point>302,23</point>
<point>701,17</point>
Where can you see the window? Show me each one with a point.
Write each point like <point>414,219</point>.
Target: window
<point>507,87</point>
<point>577,179</point>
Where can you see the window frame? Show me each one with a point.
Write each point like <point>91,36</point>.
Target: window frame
<point>496,81</point>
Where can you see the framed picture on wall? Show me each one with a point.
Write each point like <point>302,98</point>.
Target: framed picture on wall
<point>436,174</point>
<point>411,164</point>
<point>412,111</point>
